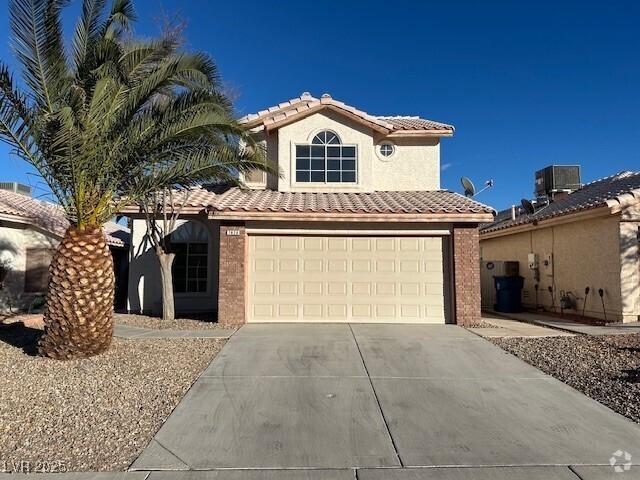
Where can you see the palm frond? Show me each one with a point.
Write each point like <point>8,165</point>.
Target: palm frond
<point>87,34</point>
<point>116,117</point>
<point>37,43</point>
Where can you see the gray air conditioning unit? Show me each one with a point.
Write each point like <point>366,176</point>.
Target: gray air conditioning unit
<point>16,187</point>
<point>557,178</point>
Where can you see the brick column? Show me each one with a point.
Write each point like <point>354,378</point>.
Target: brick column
<point>466,265</point>
<point>232,283</point>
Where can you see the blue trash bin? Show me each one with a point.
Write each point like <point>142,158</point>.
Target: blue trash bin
<point>508,294</point>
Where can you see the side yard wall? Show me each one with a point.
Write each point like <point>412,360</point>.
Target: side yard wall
<point>585,254</point>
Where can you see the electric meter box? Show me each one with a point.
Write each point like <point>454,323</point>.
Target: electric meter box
<point>533,261</point>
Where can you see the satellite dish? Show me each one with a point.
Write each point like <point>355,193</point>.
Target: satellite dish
<point>528,206</point>
<point>469,188</point>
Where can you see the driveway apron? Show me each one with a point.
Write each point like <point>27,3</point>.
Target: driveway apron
<point>336,396</point>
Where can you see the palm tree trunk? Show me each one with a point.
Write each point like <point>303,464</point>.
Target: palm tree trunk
<point>78,312</point>
<point>166,277</point>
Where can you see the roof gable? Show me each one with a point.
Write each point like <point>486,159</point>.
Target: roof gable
<point>305,105</point>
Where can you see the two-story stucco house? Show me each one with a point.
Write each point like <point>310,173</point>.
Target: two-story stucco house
<point>355,229</point>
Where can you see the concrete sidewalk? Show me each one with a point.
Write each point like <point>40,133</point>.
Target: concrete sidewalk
<point>388,401</point>
<point>508,328</point>
<point>578,472</point>
<point>570,325</point>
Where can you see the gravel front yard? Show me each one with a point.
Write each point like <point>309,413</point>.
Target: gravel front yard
<point>92,414</point>
<point>606,368</point>
<point>177,324</point>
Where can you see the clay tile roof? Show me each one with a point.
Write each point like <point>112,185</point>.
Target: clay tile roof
<point>611,190</point>
<point>50,217</point>
<point>233,199</point>
<point>415,123</point>
<point>280,113</point>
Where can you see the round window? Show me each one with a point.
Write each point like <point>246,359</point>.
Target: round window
<point>386,149</point>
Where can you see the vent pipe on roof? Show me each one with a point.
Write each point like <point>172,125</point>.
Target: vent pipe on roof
<point>513,212</point>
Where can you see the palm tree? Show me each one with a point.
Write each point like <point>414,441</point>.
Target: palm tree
<point>108,120</point>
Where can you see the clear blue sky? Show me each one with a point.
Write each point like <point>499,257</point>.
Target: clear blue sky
<point>526,84</point>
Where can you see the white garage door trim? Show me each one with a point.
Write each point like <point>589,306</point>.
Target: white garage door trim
<point>346,277</point>
<point>342,233</point>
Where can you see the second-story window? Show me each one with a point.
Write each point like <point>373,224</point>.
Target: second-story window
<point>326,160</point>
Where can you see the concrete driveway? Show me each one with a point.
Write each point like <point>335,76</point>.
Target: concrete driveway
<point>335,398</point>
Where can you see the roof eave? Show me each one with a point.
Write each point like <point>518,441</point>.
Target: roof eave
<point>446,217</point>
<point>420,133</point>
<point>135,210</point>
<point>601,210</point>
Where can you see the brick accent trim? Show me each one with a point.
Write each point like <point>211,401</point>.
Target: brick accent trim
<point>232,282</point>
<point>466,267</point>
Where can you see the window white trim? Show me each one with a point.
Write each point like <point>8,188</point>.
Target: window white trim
<point>340,145</point>
<point>379,150</point>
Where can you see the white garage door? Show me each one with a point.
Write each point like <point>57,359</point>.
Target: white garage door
<point>345,279</point>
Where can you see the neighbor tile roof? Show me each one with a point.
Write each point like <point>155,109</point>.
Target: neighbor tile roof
<point>591,195</point>
<point>50,217</point>
<point>233,199</point>
<point>307,103</point>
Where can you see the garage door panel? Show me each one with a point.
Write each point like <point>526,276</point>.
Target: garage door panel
<point>409,244</point>
<point>287,288</point>
<point>332,279</point>
<point>337,288</point>
<point>312,310</point>
<point>384,245</point>
<point>337,266</point>
<point>288,243</point>
<point>264,243</point>
<point>361,244</point>
<point>385,311</point>
<point>385,266</point>
<point>361,266</point>
<point>410,289</point>
<point>263,288</point>
<point>410,311</point>
<point>312,288</point>
<point>337,311</point>
<point>287,311</point>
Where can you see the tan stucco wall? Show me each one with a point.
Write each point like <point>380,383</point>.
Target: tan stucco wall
<point>303,131</point>
<point>585,254</point>
<point>414,166</point>
<point>145,293</point>
<point>14,242</point>
<point>630,262</point>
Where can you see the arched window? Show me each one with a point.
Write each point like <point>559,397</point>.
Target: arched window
<point>190,242</point>
<point>326,160</point>
<point>326,137</point>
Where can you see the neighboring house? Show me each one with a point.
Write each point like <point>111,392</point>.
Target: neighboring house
<point>30,231</point>
<point>356,228</point>
<point>588,238</point>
